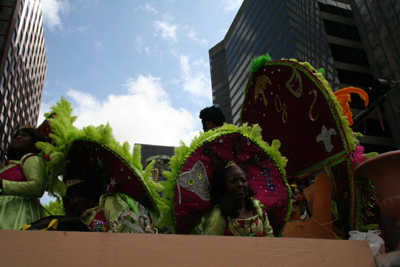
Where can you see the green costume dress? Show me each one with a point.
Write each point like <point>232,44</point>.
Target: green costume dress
<point>215,223</point>
<point>100,218</point>
<point>24,182</point>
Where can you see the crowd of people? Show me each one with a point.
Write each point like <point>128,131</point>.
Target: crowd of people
<point>24,177</point>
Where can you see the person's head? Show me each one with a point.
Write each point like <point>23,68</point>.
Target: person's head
<point>23,142</point>
<point>229,182</point>
<point>211,117</point>
<point>229,188</point>
<point>299,195</point>
<point>86,180</point>
<point>83,195</point>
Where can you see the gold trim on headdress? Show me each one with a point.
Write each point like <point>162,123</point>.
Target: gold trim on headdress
<point>73,182</point>
<point>230,163</point>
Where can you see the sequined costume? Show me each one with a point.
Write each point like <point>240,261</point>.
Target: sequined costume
<point>24,182</point>
<point>216,224</point>
<point>100,218</point>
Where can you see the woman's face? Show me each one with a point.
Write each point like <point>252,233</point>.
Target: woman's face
<point>23,143</point>
<point>236,184</point>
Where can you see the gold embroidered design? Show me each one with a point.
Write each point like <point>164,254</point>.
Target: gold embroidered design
<point>261,85</point>
<point>312,105</point>
<point>281,108</point>
<point>297,93</point>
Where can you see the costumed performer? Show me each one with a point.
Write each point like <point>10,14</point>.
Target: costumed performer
<point>194,168</point>
<point>102,178</point>
<point>235,213</point>
<point>87,178</point>
<point>23,180</point>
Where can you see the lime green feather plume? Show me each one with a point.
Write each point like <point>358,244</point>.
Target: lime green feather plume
<point>63,135</point>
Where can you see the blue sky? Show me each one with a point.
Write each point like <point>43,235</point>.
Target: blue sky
<point>142,66</point>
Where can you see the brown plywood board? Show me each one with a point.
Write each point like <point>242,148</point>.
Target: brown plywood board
<point>37,248</point>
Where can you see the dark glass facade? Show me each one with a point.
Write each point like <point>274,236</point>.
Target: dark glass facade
<point>379,22</point>
<point>274,27</point>
<point>23,61</point>
<point>324,33</point>
<point>220,87</point>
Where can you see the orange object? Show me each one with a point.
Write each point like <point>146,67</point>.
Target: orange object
<point>344,98</point>
<point>320,225</point>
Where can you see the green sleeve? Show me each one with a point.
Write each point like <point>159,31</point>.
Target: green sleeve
<point>113,206</point>
<point>214,223</point>
<point>35,172</point>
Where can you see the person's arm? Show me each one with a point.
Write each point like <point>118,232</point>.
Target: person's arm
<point>268,232</point>
<point>34,169</point>
<point>262,214</point>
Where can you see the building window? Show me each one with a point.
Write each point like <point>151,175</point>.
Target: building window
<point>10,51</point>
<point>7,65</point>
<point>4,25</point>
<point>3,82</point>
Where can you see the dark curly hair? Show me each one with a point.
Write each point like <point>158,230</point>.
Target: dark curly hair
<point>36,136</point>
<point>218,193</point>
<point>213,114</point>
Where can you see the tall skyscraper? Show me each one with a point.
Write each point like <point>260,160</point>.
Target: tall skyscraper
<point>274,27</point>
<point>23,61</point>
<point>323,33</point>
<point>379,26</point>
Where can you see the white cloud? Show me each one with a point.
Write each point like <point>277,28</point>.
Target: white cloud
<point>52,11</point>
<point>192,35</point>
<point>98,45</point>
<point>148,8</point>
<point>168,30</point>
<point>143,115</point>
<point>140,47</point>
<point>83,28</point>
<point>232,4</point>
<point>195,82</point>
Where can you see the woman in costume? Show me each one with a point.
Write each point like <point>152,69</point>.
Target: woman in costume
<point>22,181</point>
<point>196,190</point>
<point>89,179</point>
<point>235,213</point>
<point>101,178</point>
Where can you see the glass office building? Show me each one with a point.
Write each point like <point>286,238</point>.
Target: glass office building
<point>274,27</point>
<point>23,61</point>
<point>324,33</point>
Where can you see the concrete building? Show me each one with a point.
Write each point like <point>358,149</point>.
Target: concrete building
<point>23,65</point>
<point>155,151</point>
<point>323,33</point>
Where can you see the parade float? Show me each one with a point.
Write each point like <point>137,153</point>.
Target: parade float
<point>295,139</point>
